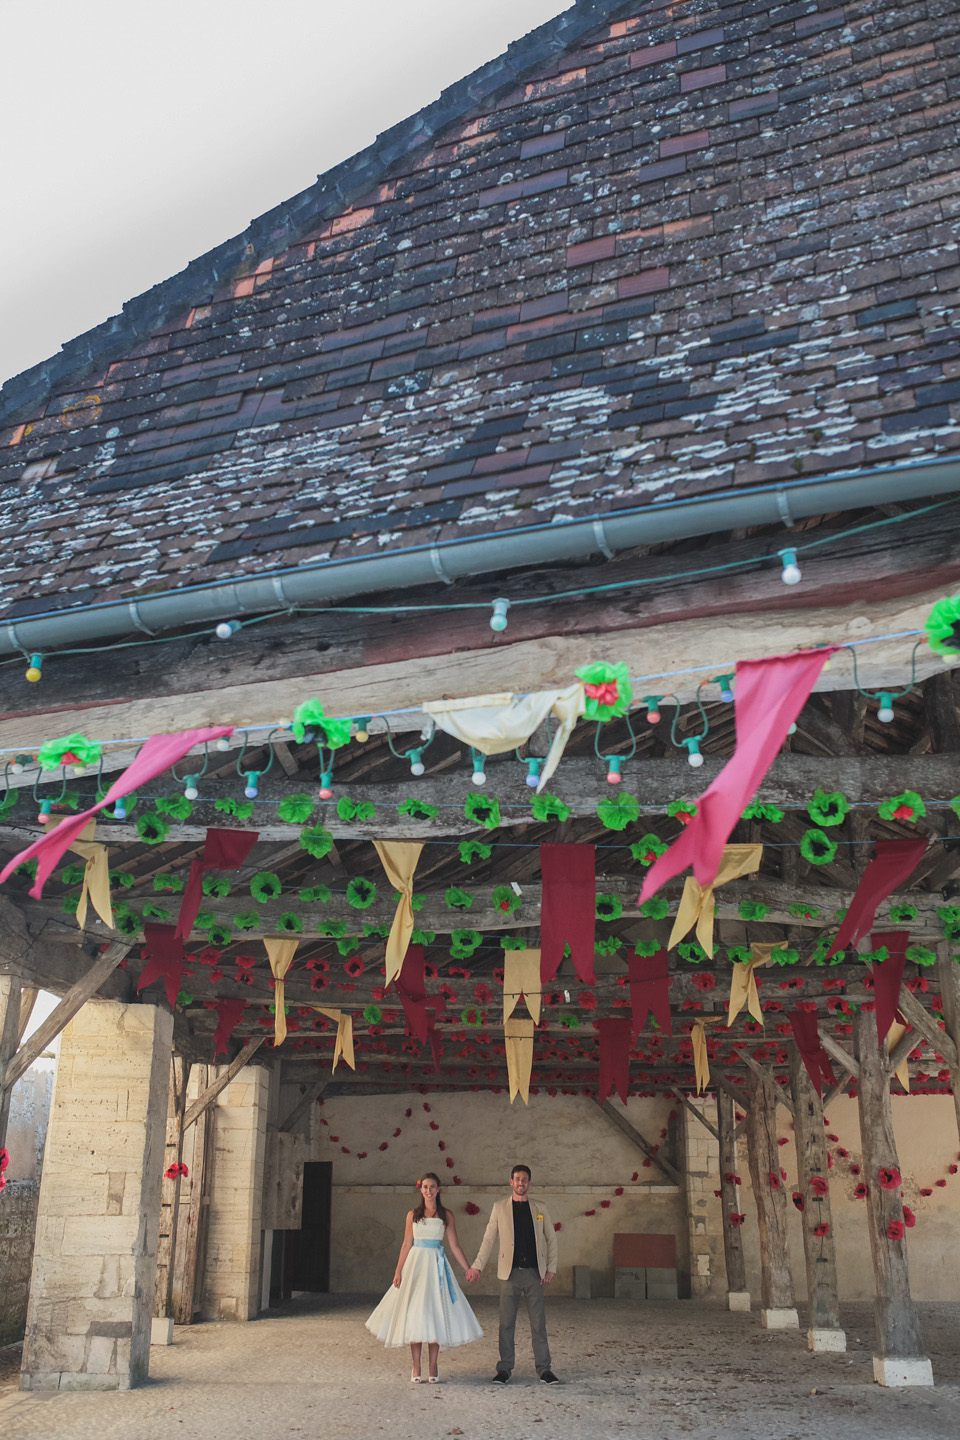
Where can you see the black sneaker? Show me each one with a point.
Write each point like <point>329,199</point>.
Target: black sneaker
<point>500,1378</point>
<point>548,1378</point>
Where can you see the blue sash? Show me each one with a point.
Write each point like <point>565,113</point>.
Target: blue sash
<point>444,1273</point>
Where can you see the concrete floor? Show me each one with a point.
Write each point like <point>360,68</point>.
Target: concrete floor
<point>656,1371</point>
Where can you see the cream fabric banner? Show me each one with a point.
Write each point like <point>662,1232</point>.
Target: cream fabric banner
<point>521,976</point>
<point>399,860</point>
<point>743,984</point>
<point>280,953</point>
<point>96,877</point>
<point>701,1062</point>
<point>696,902</point>
<point>494,724</point>
<point>343,1045</point>
<point>518,1038</point>
<point>894,1035</point>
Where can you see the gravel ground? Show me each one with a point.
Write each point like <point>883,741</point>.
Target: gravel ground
<point>657,1371</point>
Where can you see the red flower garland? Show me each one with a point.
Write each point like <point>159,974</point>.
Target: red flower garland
<point>889,1177</point>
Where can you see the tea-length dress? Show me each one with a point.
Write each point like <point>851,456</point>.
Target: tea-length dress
<point>428,1304</point>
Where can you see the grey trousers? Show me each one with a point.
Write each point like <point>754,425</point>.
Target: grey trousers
<point>523,1285</point>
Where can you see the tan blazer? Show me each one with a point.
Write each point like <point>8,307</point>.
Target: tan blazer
<point>500,1228</point>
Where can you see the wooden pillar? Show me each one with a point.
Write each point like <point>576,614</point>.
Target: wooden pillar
<point>194,1202</point>
<point>738,1296</point>
<point>9,1038</point>
<point>819,1251</point>
<point>170,1203</point>
<point>778,1309</point>
<point>900,1357</point>
<point>949,976</point>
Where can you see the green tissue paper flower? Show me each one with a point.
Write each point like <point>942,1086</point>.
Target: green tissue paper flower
<point>464,942</point>
<point>73,874</point>
<point>372,1014</point>
<point>290,923</point>
<point>949,917</point>
<point>295,809</point>
<point>692,951</point>
<point>512,942</point>
<point>648,848</point>
<point>315,894</point>
<point>804,912</point>
<point>178,807</point>
<point>361,893</point>
<point>607,945</point>
<point>122,878</point>
<point>349,945</point>
<point>350,811</point>
<point>548,807</point>
<point>333,928</point>
<point>457,899</point>
<point>471,850</point>
<point>739,954</point>
<point>155,912</point>
<point>569,1021</point>
<point>655,909</point>
<point>598,675</point>
<point>920,955</point>
<point>128,924</point>
<point>647,948</point>
<point>416,901</point>
<point>152,828</point>
<point>69,904</point>
<point>242,809</point>
<point>29,867</point>
<point>219,935</point>
<point>875,957</point>
<point>310,716</point>
<point>681,807</point>
<point>905,806</point>
<point>482,810</point>
<point>943,626</point>
<point>168,884</point>
<point>901,914</point>
<point>316,841</point>
<point>184,998</point>
<point>608,907</point>
<point>381,930</point>
<point>780,955</point>
<point>829,809</point>
<point>265,886</point>
<point>418,809</point>
<point>423,937</point>
<point>817,848</point>
<point>51,754</point>
<point>505,898</point>
<point>752,910</point>
<point>758,811</point>
<point>205,919</point>
<point>247,920</point>
<point>216,885</point>
<point>619,811</point>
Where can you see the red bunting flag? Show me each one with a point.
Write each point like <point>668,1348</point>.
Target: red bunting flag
<point>888,976</point>
<point>229,1014</point>
<point>650,990</point>
<point>222,850</point>
<point>614,1038</point>
<point>568,907</point>
<point>893,861</point>
<point>164,950</point>
<point>811,1049</point>
<point>769,696</point>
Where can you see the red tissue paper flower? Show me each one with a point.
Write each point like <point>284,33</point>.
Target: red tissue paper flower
<point>354,966</point>
<point>774,1179</point>
<point>619,1190</point>
<point>449,1163</point>
<point>588,1001</point>
<point>172,1171</point>
<point>635,1175</point>
<point>783,1140</point>
<point>818,1185</point>
<point>731,1179</point>
<point>895,1230</point>
<point>433,1123</point>
<point>383,1145</point>
<point>909,1219</point>
<point>926,1192</point>
<point>718,1193</point>
<point>941,1184</point>
<point>589,1212</point>
<point>604,1204</point>
<point>471,1209</point>
<point>822,1229</point>
<point>736,1220</point>
<point>706,981</point>
<point>889,1177</point>
<point>4,1158</point>
<point>860,1192</point>
<point>798,1200</point>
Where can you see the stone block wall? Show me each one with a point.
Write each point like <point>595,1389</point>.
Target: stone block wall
<point>708,1279</point>
<point>26,1134</point>
<point>232,1271</point>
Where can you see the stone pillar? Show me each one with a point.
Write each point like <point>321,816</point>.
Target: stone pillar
<point>900,1357</point>
<point>738,1296</point>
<point>231,1281</point>
<point>88,1322</point>
<point>820,1251</point>
<point>778,1308</point>
<point>701,1177</point>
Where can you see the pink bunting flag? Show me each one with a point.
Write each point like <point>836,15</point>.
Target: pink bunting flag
<point>568,908</point>
<point>614,1037</point>
<point>769,696</point>
<point>650,990</point>
<point>888,976</point>
<point>164,950</point>
<point>812,1053</point>
<point>893,861</point>
<point>222,850</point>
<point>156,755</point>
<point>229,1015</point>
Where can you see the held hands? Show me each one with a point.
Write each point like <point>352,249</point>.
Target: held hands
<point>471,1275</point>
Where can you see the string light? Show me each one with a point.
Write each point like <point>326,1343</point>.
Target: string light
<point>415,757</point>
<point>534,764</point>
<point>614,762</point>
<point>362,732</point>
<point>726,687</point>
<point>226,629</point>
<point>653,703</point>
<point>885,710</point>
<point>498,620</point>
<point>120,808</point>
<point>326,784</point>
<point>791,570</point>
<point>191,787</point>
<point>46,806</point>
<point>479,776</point>
<point>252,779</point>
<point>34,670</point>
<point>694,758</point>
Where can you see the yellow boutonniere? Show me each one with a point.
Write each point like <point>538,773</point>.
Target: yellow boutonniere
<point>539,1217</point>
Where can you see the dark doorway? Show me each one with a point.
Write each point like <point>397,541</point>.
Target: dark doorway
<point>307,1251</point>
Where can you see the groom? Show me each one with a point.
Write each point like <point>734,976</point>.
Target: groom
<point>526,1261</point>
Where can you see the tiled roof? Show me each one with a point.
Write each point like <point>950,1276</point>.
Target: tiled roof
<point>689,248</point>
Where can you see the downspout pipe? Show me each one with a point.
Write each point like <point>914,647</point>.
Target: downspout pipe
<point>340,580</point>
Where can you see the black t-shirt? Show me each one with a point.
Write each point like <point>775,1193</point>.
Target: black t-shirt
<point>524,1238</point>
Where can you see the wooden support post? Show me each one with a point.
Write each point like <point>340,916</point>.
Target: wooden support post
<point>819,1251</point>
<point>900,1357</point>
<point>170,1200</point>
<point>948,974</point>
<point>738,1296</point>
<point>312,1093</point>
<point>77,996</point>
<point>9,1034</point>
<point>623,1124</point>
<point>197,1107</point>
<point>778,1310</point>
<point>192,1211</point>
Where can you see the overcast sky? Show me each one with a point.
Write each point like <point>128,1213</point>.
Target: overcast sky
<point>137,134</point>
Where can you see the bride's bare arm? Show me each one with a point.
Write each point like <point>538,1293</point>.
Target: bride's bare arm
<point>454,1243</point>
<point>406,1247</point>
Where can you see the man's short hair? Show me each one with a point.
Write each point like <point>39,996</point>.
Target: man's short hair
<point>524,1168</point>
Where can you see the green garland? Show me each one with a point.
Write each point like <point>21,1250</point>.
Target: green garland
<point>830,809</point>
<point>457,899</point>
<point>464,942</point>
<point>316,840</point>
<point>265,886</point>
<point>349,811</point>
<point>906,806</point>
<point>943,627</point>
<point>247,920</point>
<point>758,811</point>
<point>152,828</point>
<point>216,885</point>
<point>752,910</point>
<point>219,935</point>
<point>295,809</point>
<point>471,850</point>
<point>549,807</point>
<point>512,942</point>
<point>168,884</point>
<point>418,809</point>
<point>310,716</point>
<point>902,914</point>
<point>655,909</point>
<point>123,878</point>
<point>361,893</point>
<point>241,809</point>
<point>599,673</point>
<point>608,907</point>
<point>920,955</point>
<point>692,951</point>
<point>290,922</point>
<point>177,807</point>
<point>506,899</point>
<point>817,848</point>
<point>618,811</point>
<point>648,848</point>
<point>334,928</point>
<point>482,810</point>
<point>315,894</point>
<point>372,1014</point>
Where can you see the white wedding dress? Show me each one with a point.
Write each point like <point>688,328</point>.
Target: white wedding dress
<point>428,1304</point>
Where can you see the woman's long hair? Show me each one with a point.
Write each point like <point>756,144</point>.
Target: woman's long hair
<point>419,1213</point>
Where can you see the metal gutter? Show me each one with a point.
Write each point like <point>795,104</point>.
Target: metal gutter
<point>340,580</point>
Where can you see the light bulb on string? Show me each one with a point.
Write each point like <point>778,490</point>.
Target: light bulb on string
<point>34,670</point>
<point>251,778</point>
<point>791,570</point>
<point>223,744</point>
<point>653,703</point>
<point>726,687</point>
<point>46,806</point>
<point>694,758</point>
<point>614,763</point>
<point>415,757</point>
<point>191,787</point>
<point>19,762</point>
<point>326,785</point>
<point>362,732</point>
<point>479,776</point>
<point>226,629</point>
<point>498,620</point>
<point>532,777</point>
<point>885,710</point>
<point>120,808</point>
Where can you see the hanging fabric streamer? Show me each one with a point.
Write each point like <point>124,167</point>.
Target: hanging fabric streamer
<point>811,1049</point>
<point>280,953</point>
<point>156,755</point>
<point>894,1035</point>
<point>521,976</point>
<point>399,860</point>
<point>343,1045</point>
<point>568,903</point>
<point>650,990</point>
<point>893,862</point>
<point>164,960</point>
<point>701,1060</point>
<point>696,902</point>
<point>614,1039</point>
<point>888,976</point>
<point>494,724</point>
<point>229,1014</point>
<point>769,696</point>
<point>96,877</point>
<point>413,993</point>
<point>518,1042</point>
<point>743,984</point>
<point>222,850</point>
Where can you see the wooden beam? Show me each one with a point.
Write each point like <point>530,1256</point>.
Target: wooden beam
<point>9,1028</point>
<point>903,1049</point>
<point>730,1196</point>
<point>312,1093</point>
<point>85,988</point>
<point>819,1250</point>
<point>915,1014</point>
<point>776,1092</point>
<point>776,1280</point>
<point>949,976</point>
<point>202,1102</point>
<point>697,1114</point>
<point>842,1057</point>
<point>28,999</point>
<point>623,1125</point>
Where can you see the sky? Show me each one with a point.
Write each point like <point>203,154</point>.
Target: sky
<point>138,135</point>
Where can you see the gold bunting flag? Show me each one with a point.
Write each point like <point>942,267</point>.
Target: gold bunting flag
<point>343,1045</point>
<point>96,877</point>
<point>280,953</point>
<point>518,1039</point>
<point>521,976</point>
<point>399,860</point>
<point>743,984</point>
<point>701,1063</point>
<point>894,1035</point>
<point>696,902</point>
